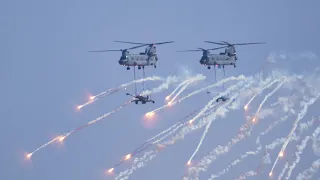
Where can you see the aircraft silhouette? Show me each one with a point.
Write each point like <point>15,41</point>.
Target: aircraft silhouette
<point>140,98</point>
<point>221,98</point>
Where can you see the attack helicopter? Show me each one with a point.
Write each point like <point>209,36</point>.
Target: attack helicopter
<point>147,58</point>
<point>140,98</point>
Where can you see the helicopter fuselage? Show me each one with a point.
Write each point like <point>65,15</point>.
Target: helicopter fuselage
<point>218,60</point>
<point>139,60</point>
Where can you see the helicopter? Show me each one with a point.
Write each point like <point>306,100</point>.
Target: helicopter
<point>140,98</point>
<point>222,98</point>
<point>228,57</point>
<point>147,58</point>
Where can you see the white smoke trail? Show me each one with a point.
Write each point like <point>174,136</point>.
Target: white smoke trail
<point>137,163</point>
<point>182,132</point>
<point>269,95</point>
<point>170,80</point>
<point>235,162</point>
<point>300,150</point>
<point>65,135</point>
<point>286,165</point>
<point>259,92</point>
<point>219,151</point>
<point>109,91</point>
<point>300,116</point>
<point>234,87</point>
<point>212,116</point>
<point>179,92</point>
<point>241,77</point>
<point>201,140</point>
<point>308,173</point>
<point>176,89</point>
<point>206,161</point>
<point>247,174</point>
<point>268,147</point>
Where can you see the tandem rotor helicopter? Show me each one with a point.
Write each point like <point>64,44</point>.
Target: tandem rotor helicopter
<point>147,58</point>
<point>226,58</point>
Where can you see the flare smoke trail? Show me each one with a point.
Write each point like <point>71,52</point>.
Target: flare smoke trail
<point>247,174</point>
<point>300,116</point>
<point>286,165</point>
<point>179,92</point>
<point>176,89</point>
<point>308,173</point>
<point>207,160</point>
<point>65,135</point>
<point>260,91</point>
<point>300,150</point>
<point>186,129</point>
<point>113,90</point>
<point>169,81</point>
<point>268,147</point>
<point>241,77</point>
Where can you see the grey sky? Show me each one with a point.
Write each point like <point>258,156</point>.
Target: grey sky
<point>46,71</point>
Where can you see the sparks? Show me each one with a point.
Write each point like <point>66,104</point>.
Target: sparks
<point>111,170</point>
<point>61,138</point>
<point>28,156</point>
<point>149,114</point>
<point>128,157</point>
<point>281,154</point>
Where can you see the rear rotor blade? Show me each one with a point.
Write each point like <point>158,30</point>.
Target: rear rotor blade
<point>163,43</point>
<point>218,48</point>
<point>127,42</point>
<point>215,43</point>
<point>137,46</point>
<point>119,49</point>
<point>105,50</point>
<point>249,43</point>
<point>193,50</point>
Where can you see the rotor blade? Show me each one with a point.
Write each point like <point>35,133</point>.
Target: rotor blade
<point>218,48</point>
<point>202,49</point>
<point>249,43</point>
<point>215,43</point>
<point>193,50</point>
<point>137,46</point>
<point>227,43</point>
<point>130,42</point>
<point>105,50</point>
<point>163,42</point>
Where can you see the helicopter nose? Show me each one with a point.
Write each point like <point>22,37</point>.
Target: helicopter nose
<point>121,62</point>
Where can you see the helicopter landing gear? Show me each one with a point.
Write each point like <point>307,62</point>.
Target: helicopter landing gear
<point>128,68</point>
<point>234,65</point>
<point>139,67</point>
<point>209,67</point>
<point>136,102</point>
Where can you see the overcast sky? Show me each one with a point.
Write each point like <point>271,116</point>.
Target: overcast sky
<point>46,71</point>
